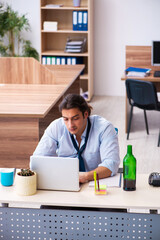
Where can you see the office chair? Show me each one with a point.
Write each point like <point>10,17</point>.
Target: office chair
<point>142,94</point>
<point>159,139</point>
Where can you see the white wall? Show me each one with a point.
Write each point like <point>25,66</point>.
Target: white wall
<point>32,10</point>
<point>117,23</point>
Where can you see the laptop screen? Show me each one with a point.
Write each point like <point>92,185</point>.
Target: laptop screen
<point>56,173</point>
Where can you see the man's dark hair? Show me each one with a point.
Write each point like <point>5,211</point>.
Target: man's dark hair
<point>75,101</point>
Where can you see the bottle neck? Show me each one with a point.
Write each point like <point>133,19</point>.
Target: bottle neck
<point>129,149</point>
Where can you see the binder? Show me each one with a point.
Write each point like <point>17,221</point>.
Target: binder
<point>58,61</point>
<point>137,72</point>
<point>74,61</point>
<point>79,60</point>
<point>49,61</point>
<point>63,60</point>
<point>44,60</point>
<point>75,20</point>
<point>85,21</point>
<point>80,21</point>
<point>69,61</point>
<point>53,61</point>
<point>135,69</point>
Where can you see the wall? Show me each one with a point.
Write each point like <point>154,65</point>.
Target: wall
<point>117,23</point>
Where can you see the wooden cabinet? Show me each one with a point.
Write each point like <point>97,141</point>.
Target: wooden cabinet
<point>53,42</point>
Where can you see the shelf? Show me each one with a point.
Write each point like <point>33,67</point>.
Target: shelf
<point>62,53</point>
<point>53,42</point>
<point>64,31</point>
<point>84,77</point>
<point>71,8</point>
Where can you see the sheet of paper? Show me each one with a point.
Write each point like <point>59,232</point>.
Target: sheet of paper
<point>114,181</point>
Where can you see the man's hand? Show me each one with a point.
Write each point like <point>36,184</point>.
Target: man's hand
<point>83,177</point>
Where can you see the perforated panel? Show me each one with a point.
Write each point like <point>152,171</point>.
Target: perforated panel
<point>69,224</point>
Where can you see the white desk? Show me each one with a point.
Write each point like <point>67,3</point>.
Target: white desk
<point>82,215</point>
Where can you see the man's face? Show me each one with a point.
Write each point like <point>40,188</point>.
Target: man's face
<point>74,120</point>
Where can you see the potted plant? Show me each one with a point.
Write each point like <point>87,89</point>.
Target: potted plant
<point>26,182</point>
<point>12,26</point>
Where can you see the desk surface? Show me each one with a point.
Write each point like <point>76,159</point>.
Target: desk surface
<point>28,100</point>
<point>149,78</point>
<point>145,197</point>
<point>35,100</point>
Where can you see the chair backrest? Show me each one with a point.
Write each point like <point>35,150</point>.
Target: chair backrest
<point>141,93</point>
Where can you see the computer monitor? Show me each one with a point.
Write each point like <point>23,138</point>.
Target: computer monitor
<point>155,57</point>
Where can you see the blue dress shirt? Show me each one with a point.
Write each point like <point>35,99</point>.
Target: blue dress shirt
<point>102,148</point>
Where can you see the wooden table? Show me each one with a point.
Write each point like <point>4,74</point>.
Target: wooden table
<point>82,215</point>
<point>139,56</point>
<point>27,109</point>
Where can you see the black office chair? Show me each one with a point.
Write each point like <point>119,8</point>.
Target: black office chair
<point>142,94</point>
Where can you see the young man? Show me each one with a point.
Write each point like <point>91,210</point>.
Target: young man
<point>77,134</point>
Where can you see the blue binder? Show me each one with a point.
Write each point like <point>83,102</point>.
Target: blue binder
<point>80,20</point>
<point>53,60</point>
<point>58,61</point>
<point>79,60</point>
<point>48,61</point>
<point>74,60</point>
<point>69,60</point>
<point>44,60</point>
<point>63,60</point>
<point>85,21</point>
<point>75,20</point>
<point>135,69</point>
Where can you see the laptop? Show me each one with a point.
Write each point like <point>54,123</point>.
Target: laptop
<point>56,173</point>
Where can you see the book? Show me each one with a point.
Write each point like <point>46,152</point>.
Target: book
<point>135,69</point>
<point>137,72</point>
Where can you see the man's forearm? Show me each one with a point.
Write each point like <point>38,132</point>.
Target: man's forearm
<point>103,172</point>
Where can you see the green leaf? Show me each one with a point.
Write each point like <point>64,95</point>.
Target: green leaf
<point>11,26</point>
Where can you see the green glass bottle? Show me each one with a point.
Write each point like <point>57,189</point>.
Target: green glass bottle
<point>129,170</point>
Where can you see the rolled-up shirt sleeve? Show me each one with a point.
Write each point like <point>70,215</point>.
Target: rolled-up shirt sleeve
<point>109,149</point>
<point>48,144</point>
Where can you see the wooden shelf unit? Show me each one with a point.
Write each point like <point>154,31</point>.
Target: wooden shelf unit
<point>53,42</point>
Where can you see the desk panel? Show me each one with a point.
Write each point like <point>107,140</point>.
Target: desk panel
<point>82,215</point>
<point>76,224</point>
<point>18,139</point>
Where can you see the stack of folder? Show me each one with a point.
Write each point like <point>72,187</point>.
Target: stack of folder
<point>137,72</point>
<point>80,21</point>
<point>75,45</point>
